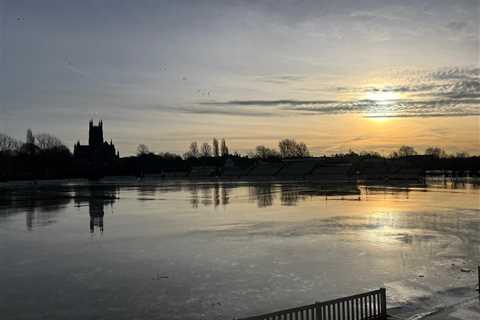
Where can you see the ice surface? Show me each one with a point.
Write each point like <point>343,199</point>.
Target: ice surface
<point>218,250</point>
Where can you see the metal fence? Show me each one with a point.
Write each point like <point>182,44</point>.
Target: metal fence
<point>370,305</point>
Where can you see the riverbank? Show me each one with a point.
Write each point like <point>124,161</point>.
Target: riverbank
<point>466,310</point>
<point>458,298</point>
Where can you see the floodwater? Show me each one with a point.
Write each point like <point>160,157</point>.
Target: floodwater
<point>152,249</point>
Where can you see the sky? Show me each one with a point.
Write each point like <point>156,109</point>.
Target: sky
<point>337,75</point>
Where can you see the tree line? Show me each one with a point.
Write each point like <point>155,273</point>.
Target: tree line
<point>287,148</point>
<point>43,156</point>
<point>33,143</point>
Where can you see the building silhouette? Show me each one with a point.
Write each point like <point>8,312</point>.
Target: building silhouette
<point>97,150</point>
<point>96,212</point>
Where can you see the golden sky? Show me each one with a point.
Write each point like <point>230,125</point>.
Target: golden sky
<point>338,75</point>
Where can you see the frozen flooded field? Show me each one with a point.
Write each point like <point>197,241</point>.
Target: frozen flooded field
<point>152,249</point>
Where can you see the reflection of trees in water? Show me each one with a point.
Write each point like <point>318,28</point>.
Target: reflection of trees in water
<point>225,191</point>
<point>146,191</point>
<point>262,193</point>
<point>215,194</point>
<point>149,190</point>
<point>193,188</point>
<point>463,184</point>
<point>43,212</point>
<point>392,192</point>
<point>41,206</point>
<point>290,195</point>
<point>469,183</point>
<point>206,197</point>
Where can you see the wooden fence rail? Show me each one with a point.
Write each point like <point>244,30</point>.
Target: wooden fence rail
<point>366,306</point>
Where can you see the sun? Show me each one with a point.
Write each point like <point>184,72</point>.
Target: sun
<point>383,96</point>
<point>383,104</point>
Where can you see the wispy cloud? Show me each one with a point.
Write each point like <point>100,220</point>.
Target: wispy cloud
<point>457,25</point>
<point>442,93</point>
<point>269,103</point>
<point>456,73</point>
<point>225,112</point>
<point>281,79</point>
<point>210,110</point>
<point>425,115</point>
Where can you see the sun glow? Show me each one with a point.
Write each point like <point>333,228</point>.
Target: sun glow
<point>377,118</point>
<point>383,104</point>
<point>383,96</point>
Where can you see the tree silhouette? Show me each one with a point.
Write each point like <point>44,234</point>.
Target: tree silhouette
<point>142,150</point>
<point>206,150</point>
<point>289,148</point>
<point>47,141</point>
<point>436,152</point>
<point>194,153</point>
<point>224,148</point>
<point>8,143</point>
<point>406,151</point>
<point>30,138</point>
<point>462,155</point>
<point>216,151</point>
<point>263,152</point>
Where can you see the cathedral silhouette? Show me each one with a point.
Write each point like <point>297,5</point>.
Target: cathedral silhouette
<point>97,150</point>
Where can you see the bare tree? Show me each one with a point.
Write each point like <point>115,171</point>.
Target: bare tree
<point>47,141</point>
<point>8,143</point>
<point>302,150</point>
<point>289,148</point>
<point>370,154</point>
<point>216,151</point>
<point>406,151</point>
<point>142,150</point>
<point>224,148</point>
<point>30,138</point>
<point>263,152</point>
<point>462,154</point>
<point>205,150</point>
<point>193,150</point>
<point>436,152</point>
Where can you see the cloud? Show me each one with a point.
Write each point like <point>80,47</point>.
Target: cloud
<point>445,93</point>
<point>394,108</point>
<point>206,110</point>
<point>269,103</point>
<point>398,108</point>
<point>425,115</point>
<point>440,93</point>
<point>406,88</point>
<point>456,74</point>
<point>225,112</point>
<point>457,25</point>
<point>281,79</point>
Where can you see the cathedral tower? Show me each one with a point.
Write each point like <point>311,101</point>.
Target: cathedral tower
<point>95,134</point>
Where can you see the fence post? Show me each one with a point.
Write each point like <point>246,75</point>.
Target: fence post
<point>383,292</point>
<point>317,311</point>
<point>478,275</point>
